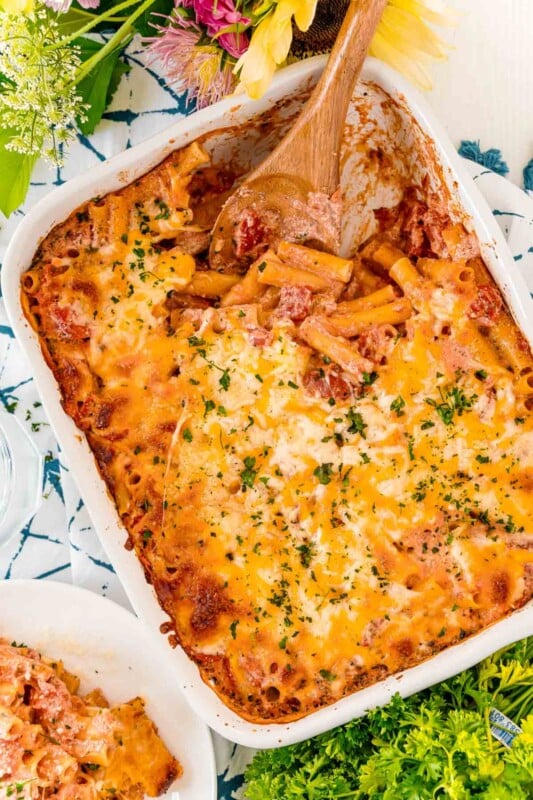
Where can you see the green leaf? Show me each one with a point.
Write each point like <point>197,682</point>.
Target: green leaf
<point>15,174</point>
<point>5,83</point>
<point>98,87</point>
<point>73,20</point>
<point>144,24</point>
<point>120,69</point>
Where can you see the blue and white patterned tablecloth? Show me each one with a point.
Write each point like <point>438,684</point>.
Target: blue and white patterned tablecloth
<point>59,541</point>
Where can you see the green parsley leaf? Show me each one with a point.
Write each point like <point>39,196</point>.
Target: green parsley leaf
<point>453,401</point>
<point>323,473</point>
<point>427,423</point>
<point>357,424</point>
<point>225,380</point>
<point>209,405</point>
<point>369,378</point>
<point>249,473</point>
<point>398,405</point>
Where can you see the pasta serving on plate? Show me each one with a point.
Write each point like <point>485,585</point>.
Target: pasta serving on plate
<point>56,743</point>
<point>324,464</point>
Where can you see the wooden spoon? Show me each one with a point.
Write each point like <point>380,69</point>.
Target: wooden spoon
<point>274,201</point>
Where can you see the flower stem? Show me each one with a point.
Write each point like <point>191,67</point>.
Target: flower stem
<point>118,37</point>
<point>96,19</point>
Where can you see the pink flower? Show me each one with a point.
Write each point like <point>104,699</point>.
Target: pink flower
<point>62,6</point>
<point>189,64</point>
<point>236,44</point>
<point>216,15</point>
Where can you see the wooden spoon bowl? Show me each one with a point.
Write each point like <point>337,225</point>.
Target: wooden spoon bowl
<point>291,195</point>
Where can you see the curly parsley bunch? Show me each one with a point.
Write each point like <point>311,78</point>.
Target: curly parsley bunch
<point>438,744</point>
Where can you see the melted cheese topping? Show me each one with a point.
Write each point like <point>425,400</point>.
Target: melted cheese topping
<point>302,546</point>
<point>342,530</point>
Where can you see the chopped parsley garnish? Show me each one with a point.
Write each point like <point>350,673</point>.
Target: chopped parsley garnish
<point>233,628</point>
<point>427,423</point>
<point>481,374</point>
<point>248,474</point>
<point>209,405</point>
<point>410,446</point>
<point>357,424</point>
<point>398,405</point>
<point>453,401</point>
<point>164,212</point>
<point>327,675</point>
<point>306,551</point>
<point>323,473</point>
<point>369,378</point>
<point>482,459</point>
<point>187,435</point>
<point>225,380</point>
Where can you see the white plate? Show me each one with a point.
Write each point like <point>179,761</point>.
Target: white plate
<point>109,648</point>
<point>447,170</point>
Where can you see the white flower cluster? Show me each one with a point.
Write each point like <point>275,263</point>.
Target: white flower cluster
<point>38,99</point>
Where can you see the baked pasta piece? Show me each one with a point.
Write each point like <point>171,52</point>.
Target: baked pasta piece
<point>56,743</point>
<point>325,465</point>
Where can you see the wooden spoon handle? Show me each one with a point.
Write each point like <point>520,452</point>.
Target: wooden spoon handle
<point>311,149</point>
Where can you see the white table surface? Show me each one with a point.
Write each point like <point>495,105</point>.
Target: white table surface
<point>485,90</point>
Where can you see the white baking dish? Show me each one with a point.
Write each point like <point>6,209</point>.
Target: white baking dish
<point>398,131</point>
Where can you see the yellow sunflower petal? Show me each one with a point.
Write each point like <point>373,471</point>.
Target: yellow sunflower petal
<point>280,32</point>
<point>256,67</point>
<point>404,39</point>
<point>410,34</point>
<point>304,13</point>
<point>436,12</point>
<point>415,71</point>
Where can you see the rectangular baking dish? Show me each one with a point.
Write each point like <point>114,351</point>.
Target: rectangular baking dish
<point>395,130</point>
